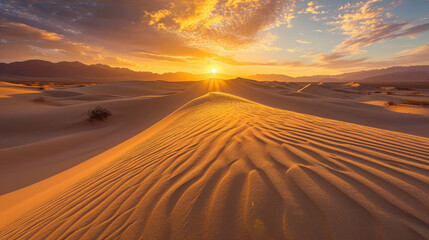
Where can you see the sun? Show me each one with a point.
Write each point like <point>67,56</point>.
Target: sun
<point>214,70</point>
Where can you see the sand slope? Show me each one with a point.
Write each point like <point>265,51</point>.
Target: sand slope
<point>45,140</point>
<point>222,167</point>
<point>329,102</point>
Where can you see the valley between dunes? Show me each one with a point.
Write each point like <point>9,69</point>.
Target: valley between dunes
<point>211,160</point>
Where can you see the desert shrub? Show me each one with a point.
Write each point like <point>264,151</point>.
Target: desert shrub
<point>391,103</point>
<point>389,93</point>
<point>98,113</point>
<point>45,88</point>
<point>39,99</point>
<point>416,102</point>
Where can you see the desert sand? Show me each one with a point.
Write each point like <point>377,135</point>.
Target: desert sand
<point>235,159</point>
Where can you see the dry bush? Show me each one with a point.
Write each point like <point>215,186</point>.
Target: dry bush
<point>391,103</point>
<point>98,113</point>
<point>45,88</point>
<point>39,99</point>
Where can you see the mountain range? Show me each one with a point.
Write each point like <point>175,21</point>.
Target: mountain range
<point>77,71</point>
<point>392,74</point>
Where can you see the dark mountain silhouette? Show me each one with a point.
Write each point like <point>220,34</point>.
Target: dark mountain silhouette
<point>97,72</point>
<point>76,71</point>
<point>378,73</point>
<point>272,77</point>
<point>392,74</point>
<point>406,76</point>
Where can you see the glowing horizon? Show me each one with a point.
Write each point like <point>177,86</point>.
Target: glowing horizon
<point>295,38</point>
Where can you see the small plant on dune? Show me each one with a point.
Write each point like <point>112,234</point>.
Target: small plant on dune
<point>45,88</point>
<point>39,99</point>
<point>391,103</point>
<point>98,113</point>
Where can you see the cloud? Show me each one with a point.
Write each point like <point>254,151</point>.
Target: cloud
<point>359,18</point>
<point>139,32</point>
<point>115,61</point>
<point>234,62</point>
<point>13,30</point>
<point>415,51</point>
<point>26,41</point>
<point>382,32</point>
<point>366,23</point>
<point>313,8</point>
<point>21,41</point>
<point>154,56</point>
<point>418,55</point>
<point>413,32</point>
<point>174,31</point>
<point>412,56</point>
<point>303,42</point>
<point>228,24</point>
<point>215,57</point>
<point>351,6</point>
<point>334,60</point>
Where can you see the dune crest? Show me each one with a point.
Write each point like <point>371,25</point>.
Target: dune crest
<point>223,167</point>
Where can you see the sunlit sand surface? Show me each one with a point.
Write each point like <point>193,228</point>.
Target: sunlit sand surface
<point>218,160</point>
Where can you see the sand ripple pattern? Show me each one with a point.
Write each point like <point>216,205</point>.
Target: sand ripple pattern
<point>227,168</point>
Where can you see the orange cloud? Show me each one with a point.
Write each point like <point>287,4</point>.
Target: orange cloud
<point>367,22</point>
<point>303,42</point>
<point>115,61</point>
<point>154,56</point>
<point>19,30</point>
<point>415,51</point>
<point>312,8</point>
<point>227,24</point>
<point>179,35</point>
<point>419,55</point>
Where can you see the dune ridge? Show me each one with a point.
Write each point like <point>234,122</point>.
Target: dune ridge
<point>223,167</point>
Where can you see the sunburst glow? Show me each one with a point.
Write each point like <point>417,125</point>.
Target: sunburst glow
<point>241,38</point>
<point>214,70</point>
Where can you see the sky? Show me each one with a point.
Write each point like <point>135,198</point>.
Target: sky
<point>237,37</point>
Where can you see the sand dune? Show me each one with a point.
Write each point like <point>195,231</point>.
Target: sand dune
<point>223,167</point>
<point>329,101</point>
<point>7,89</point>
<point>52,136</point>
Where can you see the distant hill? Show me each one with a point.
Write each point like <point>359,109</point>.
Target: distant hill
<point>406,76</point>
<point>97,72</point>
<point>383,74</point>
<point>392,74</point>
<point>272,77</point>
<point>76,71</point>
